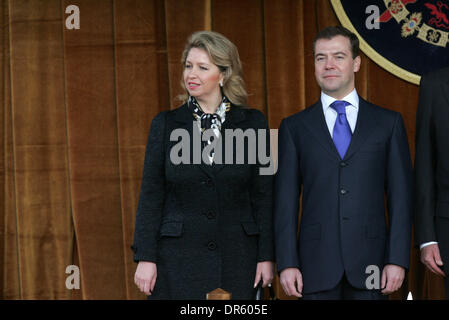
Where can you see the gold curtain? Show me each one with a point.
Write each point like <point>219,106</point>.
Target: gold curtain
<point>75,109</point>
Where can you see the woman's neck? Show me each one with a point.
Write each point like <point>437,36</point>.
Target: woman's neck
<point>210,105</point>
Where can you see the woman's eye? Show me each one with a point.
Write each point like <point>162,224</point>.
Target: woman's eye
<point>203,68</point>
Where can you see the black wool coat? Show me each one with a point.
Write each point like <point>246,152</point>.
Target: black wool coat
<point>205,227</point>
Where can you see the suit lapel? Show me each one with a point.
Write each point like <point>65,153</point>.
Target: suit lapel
<point>365,125</point>
<point>316,123</point>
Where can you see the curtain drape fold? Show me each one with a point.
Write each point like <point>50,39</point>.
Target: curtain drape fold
<point>75,110</point>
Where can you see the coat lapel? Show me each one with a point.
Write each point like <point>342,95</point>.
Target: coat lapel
<point>316,123</point>
<point>233,118</point>
<point>364,127</point>
<point>186,120</point>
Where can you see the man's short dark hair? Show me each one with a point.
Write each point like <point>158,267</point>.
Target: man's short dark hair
<point>331,32</point>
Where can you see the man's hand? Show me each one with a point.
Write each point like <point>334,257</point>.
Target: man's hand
<point>291,281</point>
<point>392,278</point>
<point>145,276</point>
<point>430,257</point>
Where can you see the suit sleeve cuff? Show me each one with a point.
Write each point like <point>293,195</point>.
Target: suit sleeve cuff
<point>427,244</point>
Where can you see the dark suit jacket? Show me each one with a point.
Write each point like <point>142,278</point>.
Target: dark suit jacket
<point>343,226</point>
<point>432,160</point>
<point>204,227</point>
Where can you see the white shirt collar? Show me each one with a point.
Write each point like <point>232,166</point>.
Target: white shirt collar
<point>352,98</point>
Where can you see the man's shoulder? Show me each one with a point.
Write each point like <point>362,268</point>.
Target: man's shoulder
<point>379,110</point>
<point>437,75</point>
<point>179,112</point>
<point>302,113</point>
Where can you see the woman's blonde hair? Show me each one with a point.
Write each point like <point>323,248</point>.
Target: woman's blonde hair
<point>224,54</point>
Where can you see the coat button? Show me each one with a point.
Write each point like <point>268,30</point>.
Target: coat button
<point>211,246</point>
<point>343,191</point>
<point>343,164</point>
<point>211,215</point>
<point>207,182</point>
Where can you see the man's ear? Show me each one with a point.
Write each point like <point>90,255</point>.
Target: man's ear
<point>357,62</point>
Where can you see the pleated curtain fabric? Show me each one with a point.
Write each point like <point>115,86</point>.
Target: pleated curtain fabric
<point>76,106</point>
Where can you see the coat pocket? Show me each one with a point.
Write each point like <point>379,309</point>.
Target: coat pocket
<point>250,228</point>
<point>171,229</point>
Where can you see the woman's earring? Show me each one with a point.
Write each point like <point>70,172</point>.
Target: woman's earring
<point>221,83</point>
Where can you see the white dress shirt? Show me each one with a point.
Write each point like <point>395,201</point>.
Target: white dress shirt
<point>427,244</point>
<point>352,110</point>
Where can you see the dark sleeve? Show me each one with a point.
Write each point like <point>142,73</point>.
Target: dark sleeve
<point>152,194</point>
<point>261,192</point>
<point>424,167</point>
<point>287,189</point>
<point>399,191</point>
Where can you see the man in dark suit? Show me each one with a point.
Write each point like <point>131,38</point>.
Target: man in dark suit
<point>347,156</point>
<point>432,173</point>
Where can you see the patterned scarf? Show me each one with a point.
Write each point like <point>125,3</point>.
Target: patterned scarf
<point>208,120</point>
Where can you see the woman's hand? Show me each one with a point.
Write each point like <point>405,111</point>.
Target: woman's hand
<point>145,276</point>
<point>264,271</point>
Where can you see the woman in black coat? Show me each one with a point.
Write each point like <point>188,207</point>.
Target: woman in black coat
<point>204,218</point>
